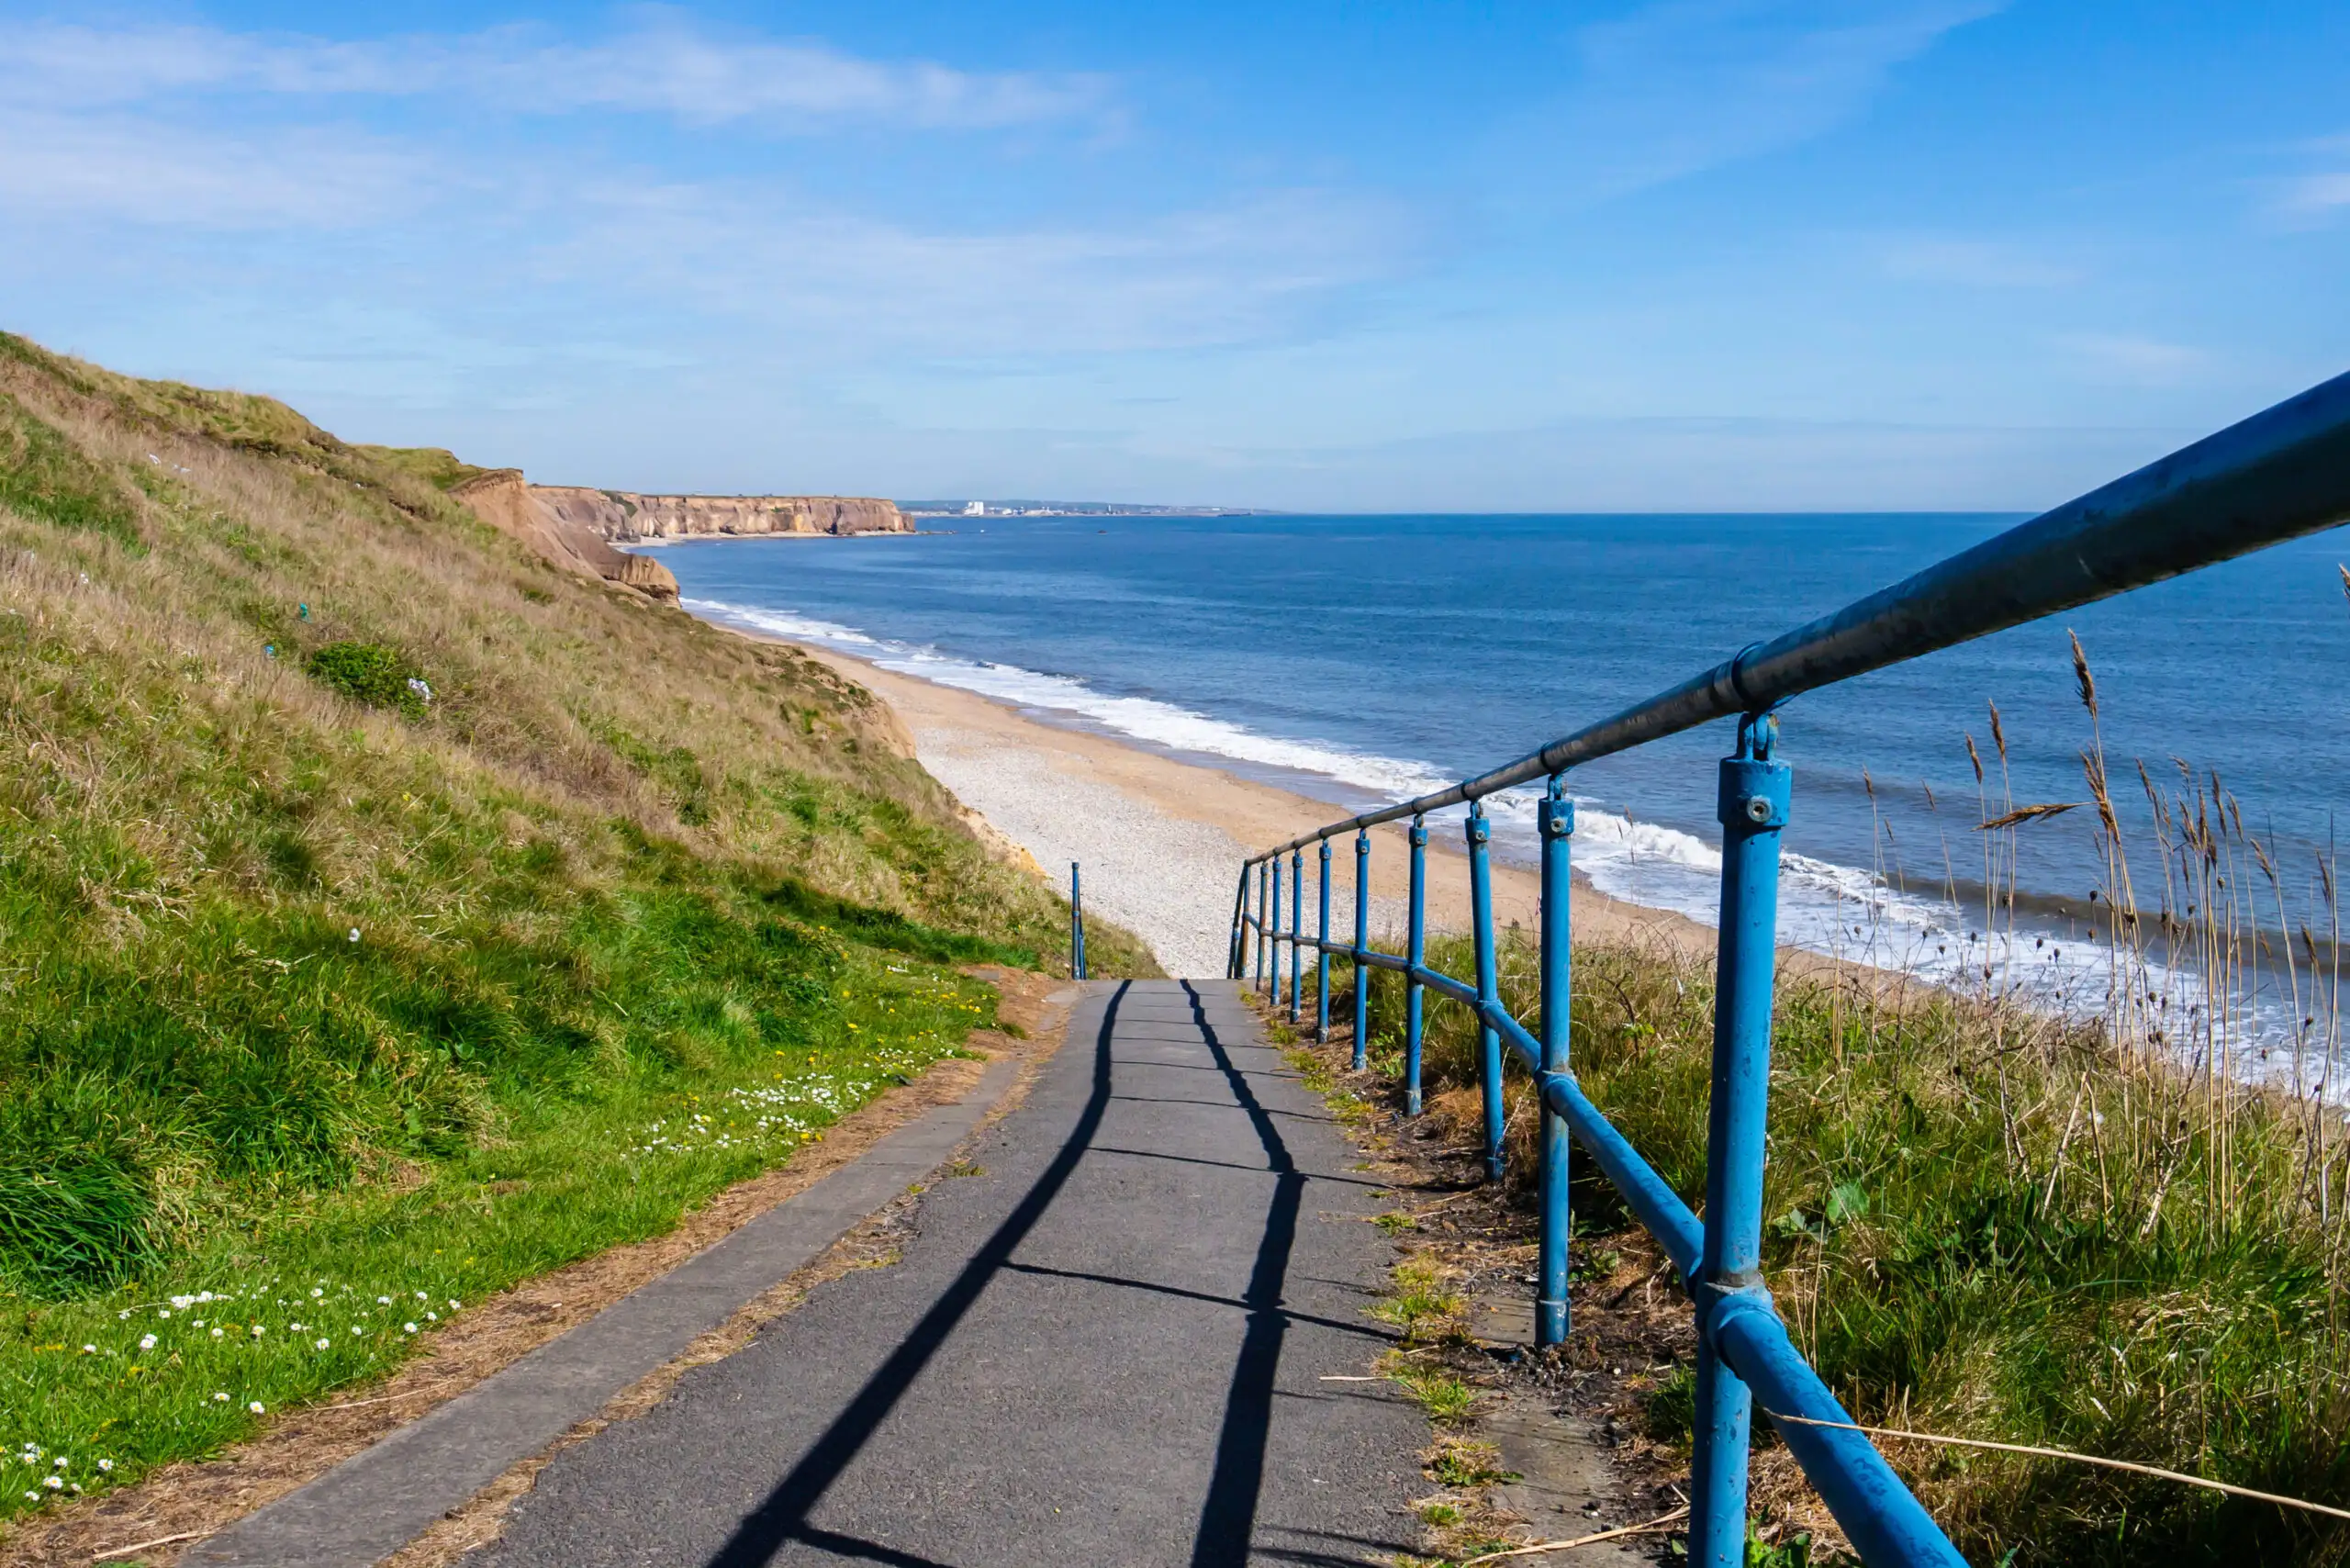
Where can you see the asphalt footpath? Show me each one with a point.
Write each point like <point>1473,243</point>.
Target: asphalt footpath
<point>1129,1339</point>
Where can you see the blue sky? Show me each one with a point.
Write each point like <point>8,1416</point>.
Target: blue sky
<point>1745,255</point>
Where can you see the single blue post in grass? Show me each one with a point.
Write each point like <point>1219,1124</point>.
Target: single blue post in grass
<point>1296,932</point>
<point>1273,931</point>
<point>1322,956</point>
<point>1076,926</point>
<point>1558,825</point>
<point>1488,1039</point>
<point>1416,950</point>
<point>1753,809</point>
<point>1362,946</point>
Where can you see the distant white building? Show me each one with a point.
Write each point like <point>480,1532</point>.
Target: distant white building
<point>975,509</point>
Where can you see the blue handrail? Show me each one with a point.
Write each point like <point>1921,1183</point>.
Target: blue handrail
<point>2278,475</point>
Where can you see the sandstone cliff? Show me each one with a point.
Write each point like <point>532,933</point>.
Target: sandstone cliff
<point>501,499</point>
<point>624,514</point>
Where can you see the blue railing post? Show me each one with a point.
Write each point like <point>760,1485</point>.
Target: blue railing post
<point>1362,946</point>
<point>1076,926</point>
<point>1416,952</point>
<point>1273,931</point>
<point>1322,956</point>
<point>1259,983</point>
<point>1296,931</point>
<point>2283,473</point>
<point>1488,1039</point>
<point>1753,809</point>
<point>1558,826</point>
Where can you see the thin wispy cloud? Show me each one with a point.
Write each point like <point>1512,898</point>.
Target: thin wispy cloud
<point>664,65</point>
<point>118,167</point>
<point>2317,195</point>
<point>2134,360</point>
<point>1976,263</point>
<point>246,136</point>
<point>1686,85</point>
<point>2312,195</point>
<point>707,243</point>
<point>1242,271</point>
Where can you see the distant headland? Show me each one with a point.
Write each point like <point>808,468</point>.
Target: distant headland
<point>576,526</point>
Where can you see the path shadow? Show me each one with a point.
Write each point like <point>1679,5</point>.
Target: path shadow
<point>784,1516</point>
<point>1228,1517</point>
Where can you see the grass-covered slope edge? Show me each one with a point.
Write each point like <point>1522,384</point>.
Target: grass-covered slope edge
<point>382,907</point>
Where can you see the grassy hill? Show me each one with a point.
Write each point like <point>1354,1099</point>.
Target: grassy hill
<point>384,910</point>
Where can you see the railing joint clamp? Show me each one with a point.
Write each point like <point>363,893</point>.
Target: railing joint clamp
<point>1718,1301</point>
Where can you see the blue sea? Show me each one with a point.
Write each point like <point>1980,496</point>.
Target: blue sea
<point>1365,659</point>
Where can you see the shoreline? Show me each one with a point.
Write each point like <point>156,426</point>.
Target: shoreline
<point>1162,839</point>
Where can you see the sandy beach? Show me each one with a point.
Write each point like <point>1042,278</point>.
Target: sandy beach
<point>1163,838</point>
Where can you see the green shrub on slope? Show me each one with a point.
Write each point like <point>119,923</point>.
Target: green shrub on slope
<point>375,674</point>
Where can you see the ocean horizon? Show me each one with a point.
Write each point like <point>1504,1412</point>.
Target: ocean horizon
<point>1367,659</point>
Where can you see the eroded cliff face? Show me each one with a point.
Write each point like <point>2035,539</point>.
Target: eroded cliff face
<point>502,499</point>
<point>625,514</point>
<point>574,526</point>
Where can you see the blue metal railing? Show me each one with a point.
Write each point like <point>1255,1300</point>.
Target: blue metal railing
<point>2278,475</point>
<point>1075,924</point>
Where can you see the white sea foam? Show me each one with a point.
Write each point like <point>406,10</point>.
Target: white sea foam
<point>1840,911</point>
<point>1141,718</point>
<point>1642,862</point>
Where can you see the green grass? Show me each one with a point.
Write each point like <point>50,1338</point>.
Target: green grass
<point>2145,1291</point>
<point>437,466</point>
<point>1446,1398</point>
<point>310,984</point>
<point>133,1377</point>
<point>1459,1463</point>
<point>1422,1302</point>
<point>44,475</point>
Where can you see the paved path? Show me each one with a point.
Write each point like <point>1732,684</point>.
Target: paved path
<point>1107,1350</point>
<point>377,1501</point>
